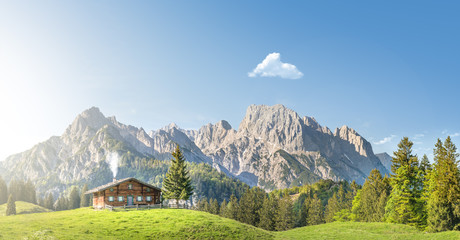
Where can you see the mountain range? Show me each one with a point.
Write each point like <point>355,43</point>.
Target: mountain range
<point>273,148</point>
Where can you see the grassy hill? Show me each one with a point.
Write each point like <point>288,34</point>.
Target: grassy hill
<point>24,208</point>
<point>184,224</point>
<point>358,230</point>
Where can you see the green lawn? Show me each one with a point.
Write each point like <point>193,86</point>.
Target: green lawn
<point>358,230</point>
<point>24,208</point>
<point>143,224</point>
<point>86,223</point>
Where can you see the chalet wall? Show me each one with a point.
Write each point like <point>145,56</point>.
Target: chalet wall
<point>123,190</point>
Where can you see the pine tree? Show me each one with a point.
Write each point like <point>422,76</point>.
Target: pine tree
<point>331,208</point>
<point>250,204</point>
<point>49,201</point>
<point>3,191</point>
<point>268,212</point>
<point>223,207</point>
<point>177,184</point>
<point>315,211</point>
<point>214,206</point>
<point>74,198</point>
<point>10,206</point>
<point>444,189</point>
<point>84,198</point>
<point>231,211</point>
<point>372,198</point>
<point>403,206</point>
<point>284,220</point>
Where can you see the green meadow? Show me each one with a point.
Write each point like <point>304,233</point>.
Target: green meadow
<point>85,223</point>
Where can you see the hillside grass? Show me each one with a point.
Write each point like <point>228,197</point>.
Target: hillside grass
<point>360,230</point>
<point>24,208</point>
<point>86,223</point>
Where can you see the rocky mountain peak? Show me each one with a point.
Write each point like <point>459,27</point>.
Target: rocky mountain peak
<point>276,124</point>
<point>223,124</point>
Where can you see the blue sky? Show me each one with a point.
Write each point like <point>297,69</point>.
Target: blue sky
<point>386,69</point>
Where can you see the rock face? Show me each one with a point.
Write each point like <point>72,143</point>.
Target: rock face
<point>386,160</point>
<point>273,148</point>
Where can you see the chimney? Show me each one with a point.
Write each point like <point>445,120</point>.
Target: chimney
<point>114,179</point>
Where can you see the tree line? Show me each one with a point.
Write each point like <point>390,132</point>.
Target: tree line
<point>19,190</point>
<point>74,199</point>
<point>285,209</point>
<point>417,193</point>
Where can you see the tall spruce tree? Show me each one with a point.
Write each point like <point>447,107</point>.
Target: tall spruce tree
<point>177,185</point>
<point>268,212</point>
<point>284,218</point>
<point>10,206</point>
<point>373,197</point>
<point>231,211</point>
<point>49,201</point>
<point>444,189</point>
<point>74,198</point>
<point>403,205</point>
<point>84,198</point>
<point>315,211</point>
<point>3,191</point>
<point>332,207</point>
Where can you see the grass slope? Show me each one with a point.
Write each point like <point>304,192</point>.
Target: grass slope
<point>359,230</point>
<point>86,223</point>
<point>24,208</point>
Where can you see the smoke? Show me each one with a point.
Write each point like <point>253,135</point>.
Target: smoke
<point>112,160</point>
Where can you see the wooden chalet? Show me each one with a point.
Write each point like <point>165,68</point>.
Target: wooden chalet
<point>125,192</point>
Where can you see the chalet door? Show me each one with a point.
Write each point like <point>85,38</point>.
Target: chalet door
<point>130,200</point>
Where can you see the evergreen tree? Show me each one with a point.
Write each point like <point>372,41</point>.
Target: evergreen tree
<point>10,206</point>
<point>223,207</point>
<point>3,191</point>
<point>231,211</point>
<point>403,204</point>
<point>268,212</point>
<point>49,201</point>
<point>84,198</point>
<point>300,210</point>
<point>177,184</point>
<point>331,208</point>
<point>62,204</point>
<point>315,211</point>
<point>214,206</point>
<point>284,220</point>
<point>250,204</point>
<point>444,189</point>
<point>30,195</point>
<point>372,198</point>
<point>74,198</point>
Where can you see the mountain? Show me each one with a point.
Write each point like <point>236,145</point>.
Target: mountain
<point>273,148</point>
<point>386,160</point>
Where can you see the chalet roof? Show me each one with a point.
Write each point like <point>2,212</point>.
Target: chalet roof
<point>117,182</point>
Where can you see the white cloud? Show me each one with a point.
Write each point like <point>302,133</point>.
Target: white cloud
<point>418,136</point>
<point>272,66</point>
<point>445,132</point>
<point>385,140</point>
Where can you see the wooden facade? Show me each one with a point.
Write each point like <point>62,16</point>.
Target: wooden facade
<point>125,192</point>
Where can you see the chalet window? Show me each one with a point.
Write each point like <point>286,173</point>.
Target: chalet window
<point>148,189</point>
<point>111,189</point>
<point>130,186</point>
<point>148,198</point>
<point>139,198</point>
<point>120,198</point>
<point>111,198</point>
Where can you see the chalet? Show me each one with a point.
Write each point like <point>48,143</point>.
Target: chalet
<point>125,192</point>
